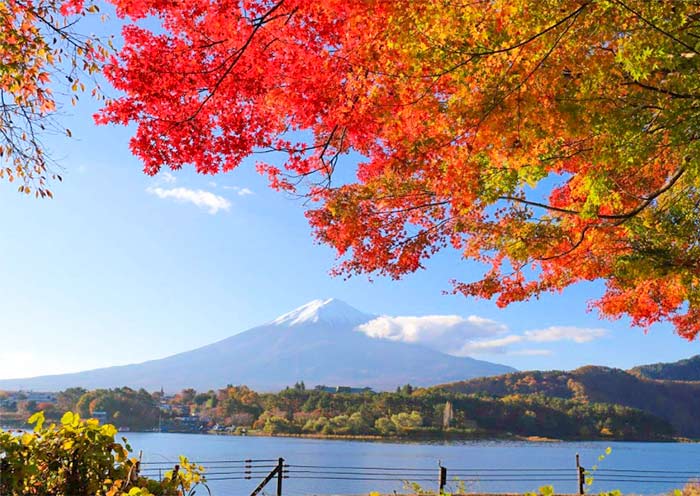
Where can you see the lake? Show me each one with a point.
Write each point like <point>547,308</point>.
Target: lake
<point>321,467</point>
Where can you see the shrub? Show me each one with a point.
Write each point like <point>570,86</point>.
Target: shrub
<point>81,458</point>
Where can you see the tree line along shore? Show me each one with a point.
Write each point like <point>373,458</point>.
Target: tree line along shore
<point>411,413</point>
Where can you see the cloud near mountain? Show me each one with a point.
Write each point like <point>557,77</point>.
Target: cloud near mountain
<point>473,335</point>
<point>446,333</point>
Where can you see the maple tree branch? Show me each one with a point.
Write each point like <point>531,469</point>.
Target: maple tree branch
<point>663,90</point>
<point>532,38</point>
<point>415,207</point>
<point>475,55</point>
<point>649,199</point>
<point>238,54</point>
<point>655,27</point>
<point>623,216</point>
<point>570,250</point>
<point>61,31</point>
<point>427,230</point>
<point>501,99</point>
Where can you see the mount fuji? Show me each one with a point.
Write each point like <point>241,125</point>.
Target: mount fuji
<point>317,343</point>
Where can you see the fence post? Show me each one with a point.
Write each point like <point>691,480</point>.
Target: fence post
<point>280,474</point>
<point>442,481</point>
<point>580,475</point>
<point>136,470</point>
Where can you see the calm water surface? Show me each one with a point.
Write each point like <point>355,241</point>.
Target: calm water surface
<point>456,455</point>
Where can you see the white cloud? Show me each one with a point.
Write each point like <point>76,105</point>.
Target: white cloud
<point>473,335</point>
<point>447,333</point>
<point>240,191</point>
<point>531,352</point>
<point>498,345</point>
<point>167,177</point>
<point>565,333</point>
<point>203,199</point>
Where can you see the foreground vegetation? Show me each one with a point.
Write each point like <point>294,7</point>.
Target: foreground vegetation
<point>79,457</point>
<point>419,413</point>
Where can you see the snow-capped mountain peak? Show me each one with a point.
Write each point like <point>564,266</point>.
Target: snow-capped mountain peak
<point>317,343</point>
<point>329,311</point>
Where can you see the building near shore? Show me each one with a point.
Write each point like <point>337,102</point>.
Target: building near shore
<point>343,389</point>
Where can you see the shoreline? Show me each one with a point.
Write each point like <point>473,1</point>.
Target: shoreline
<point>430,439</point>
<point>420,438</point>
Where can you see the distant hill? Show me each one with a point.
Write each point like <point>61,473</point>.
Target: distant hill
<point>682,370</point>
<point>316,343</point>
<point>677,402</point>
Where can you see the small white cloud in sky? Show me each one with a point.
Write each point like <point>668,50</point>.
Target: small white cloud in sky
<point>531,352</point>
<point>239,190</point>
<point>167,177</point>
<point>565,333</point>
<point>202,199</point>
<point>473,335</point>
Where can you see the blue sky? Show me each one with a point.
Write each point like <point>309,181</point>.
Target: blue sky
<point>122,268</point>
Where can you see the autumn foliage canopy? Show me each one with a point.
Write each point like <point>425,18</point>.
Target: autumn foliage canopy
<point>41,52</point>
<point>552,141</point>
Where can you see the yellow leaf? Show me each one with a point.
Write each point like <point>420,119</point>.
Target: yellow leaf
<point>67,418</point>
<point>27,438</point>
<point>38,419</point>
<point>108,430</point>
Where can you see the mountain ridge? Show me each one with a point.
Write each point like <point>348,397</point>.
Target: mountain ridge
<point>675,401</point>
<point>316,343</point>
<point>687,369</point>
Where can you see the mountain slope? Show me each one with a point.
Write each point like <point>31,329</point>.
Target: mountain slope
<point>677,402</point>
<point>682,370</point>
<point>315,343</point>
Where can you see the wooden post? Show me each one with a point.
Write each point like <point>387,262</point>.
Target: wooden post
<point>442,481</point>
<point>580,475</point>
<point>280,474</point>
<point>136,470</point>
<point>264,482</point>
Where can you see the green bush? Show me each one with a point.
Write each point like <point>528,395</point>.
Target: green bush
<point>81,458</point>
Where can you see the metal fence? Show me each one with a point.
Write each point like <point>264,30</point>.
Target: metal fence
<point>268,470</point>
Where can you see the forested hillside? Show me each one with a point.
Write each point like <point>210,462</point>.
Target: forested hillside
<point>682,370</point>
<point>677,402</point>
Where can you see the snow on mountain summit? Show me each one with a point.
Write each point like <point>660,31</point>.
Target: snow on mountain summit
<point>328,311</point>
